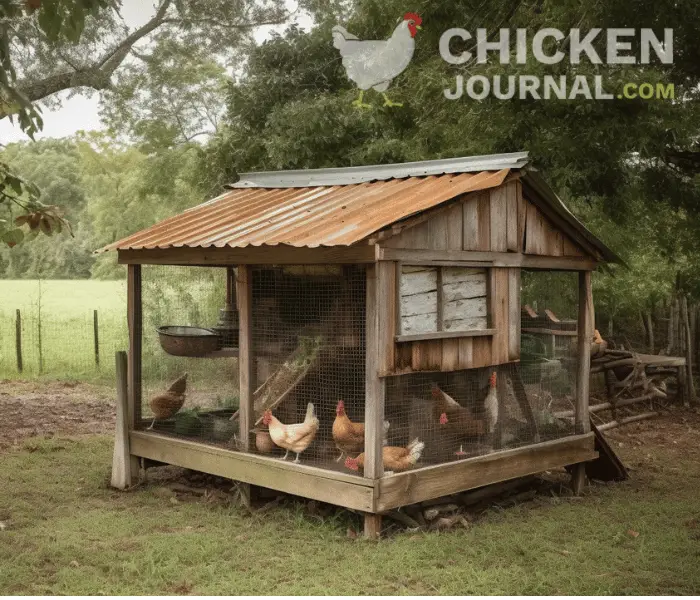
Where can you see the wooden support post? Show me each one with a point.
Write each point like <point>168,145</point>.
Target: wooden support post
<point>585,334</point>
<point>379,277</point>
<point>135,318</point>
<point>18,340</point>
<point>121,458</point>
<point>373,526</point>
<point>582,422</point>
<point>690,386</point>
<point>578,478</point>
<point>96,336</point>
<point>246,364</point>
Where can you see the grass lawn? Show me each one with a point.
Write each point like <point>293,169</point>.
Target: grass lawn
<point>66,532</point>
<point>65,298</point>
<point>65,328</point>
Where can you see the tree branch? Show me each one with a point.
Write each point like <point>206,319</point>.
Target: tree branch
<point>98,75</point>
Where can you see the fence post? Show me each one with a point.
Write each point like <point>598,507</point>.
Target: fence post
<point>18,340</point>
<point>96,333</point>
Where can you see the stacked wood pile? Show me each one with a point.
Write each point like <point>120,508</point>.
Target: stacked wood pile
<point>636,385</point>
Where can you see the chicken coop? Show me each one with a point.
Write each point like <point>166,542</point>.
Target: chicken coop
<point>371,337</point>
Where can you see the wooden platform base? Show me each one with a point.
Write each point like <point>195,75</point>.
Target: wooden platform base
<point>373,496</point>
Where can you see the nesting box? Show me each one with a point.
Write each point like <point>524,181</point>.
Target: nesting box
<point>398,290</point>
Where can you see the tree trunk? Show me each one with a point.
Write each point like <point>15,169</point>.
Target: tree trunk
<point>650,330</point>
<point>690,386</point>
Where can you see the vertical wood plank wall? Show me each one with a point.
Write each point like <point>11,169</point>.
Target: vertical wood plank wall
<point>453,353</point>
<point>498,220</point>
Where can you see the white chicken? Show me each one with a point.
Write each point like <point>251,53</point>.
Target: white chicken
<point>375,63</point>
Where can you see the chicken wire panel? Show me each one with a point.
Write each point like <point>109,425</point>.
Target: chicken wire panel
<point>309,347</point>
<point>549,341</point>
<point>184,396</point>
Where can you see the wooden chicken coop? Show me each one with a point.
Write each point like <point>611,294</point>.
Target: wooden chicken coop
<point>395,289</point>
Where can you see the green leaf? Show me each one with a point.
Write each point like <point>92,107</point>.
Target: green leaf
<point>12,237</point>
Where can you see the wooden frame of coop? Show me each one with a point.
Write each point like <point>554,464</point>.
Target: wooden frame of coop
<point>491,213</point>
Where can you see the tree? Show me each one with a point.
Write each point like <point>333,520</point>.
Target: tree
<point>53,19</point>
<point>49,46</point>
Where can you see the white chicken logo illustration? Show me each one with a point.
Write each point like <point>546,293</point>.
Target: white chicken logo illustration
<point>375,63</point>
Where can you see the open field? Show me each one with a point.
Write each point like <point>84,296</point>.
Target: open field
<point>66,532</point>
<point>57,327</point>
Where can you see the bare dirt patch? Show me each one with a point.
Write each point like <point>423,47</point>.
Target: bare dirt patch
<point>31,409</point>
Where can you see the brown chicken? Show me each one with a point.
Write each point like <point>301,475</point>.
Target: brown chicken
<point>164,406</point>
<point>455,420</point>
<point>349,437</point>
<point>395,459</point>
<point>297,437</point>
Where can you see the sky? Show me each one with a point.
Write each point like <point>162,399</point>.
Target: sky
<point>81,112</point>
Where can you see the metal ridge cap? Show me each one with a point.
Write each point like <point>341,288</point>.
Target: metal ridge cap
<point>364,174</point>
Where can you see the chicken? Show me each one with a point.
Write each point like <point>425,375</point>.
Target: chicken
<point>166,405</point>
<point>459,421</point>
<point>394,458</point>
<point>349,437</point>
<point>491,404</point>
<point>375,63</point>
<point>297,437</point>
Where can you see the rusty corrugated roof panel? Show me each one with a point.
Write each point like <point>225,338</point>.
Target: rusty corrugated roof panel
<point>336,215</point>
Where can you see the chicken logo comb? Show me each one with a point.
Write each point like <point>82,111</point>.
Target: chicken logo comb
<point>443,419</point>
<point>411,16</point>
<point>492,379</point>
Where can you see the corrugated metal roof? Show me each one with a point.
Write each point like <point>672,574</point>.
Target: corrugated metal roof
<point>310,216</point>
<point>351,175</point>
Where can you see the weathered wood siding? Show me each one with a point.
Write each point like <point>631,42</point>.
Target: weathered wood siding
<point>499,220</point>
<point>502,286</point>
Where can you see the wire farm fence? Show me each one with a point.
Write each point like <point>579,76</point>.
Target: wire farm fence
<point>70,330</point>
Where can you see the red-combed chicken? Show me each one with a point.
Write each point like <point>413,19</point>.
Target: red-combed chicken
<point>459,421</point>
<point>395,458</point>
<point>297,437</point>
<point>349,437</point>
<point>166,405</point>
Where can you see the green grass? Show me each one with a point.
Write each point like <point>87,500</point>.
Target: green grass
<point>68,533</point>
<point>67,339</point>
<point>65,298</point>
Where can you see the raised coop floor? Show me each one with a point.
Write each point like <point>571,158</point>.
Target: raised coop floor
<point>360,493</point>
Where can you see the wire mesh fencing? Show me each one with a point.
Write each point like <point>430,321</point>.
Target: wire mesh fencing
<point>80,347</point>
<point>186,396</point>
<point>308,346</point>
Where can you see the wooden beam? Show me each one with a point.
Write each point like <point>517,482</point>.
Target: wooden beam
<point>443,335</point>
<point>121,459</point>
<point>380,277</point>
<point>578,478</point>
<point>550,331</point>
<point>486,259</point>
<point>262,255</point>
<point>441,480</point>
<point>373,526</point>
<point>585,329</point>
<point>350,491</point>
<point>246,360</point>
<point>135,322</point>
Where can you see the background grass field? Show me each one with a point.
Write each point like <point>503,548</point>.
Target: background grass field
<point>60,312</point>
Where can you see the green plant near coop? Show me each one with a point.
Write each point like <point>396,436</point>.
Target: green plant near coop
<point>188,422</point>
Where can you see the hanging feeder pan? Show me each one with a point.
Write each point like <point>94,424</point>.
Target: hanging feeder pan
<point>180,340</point>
